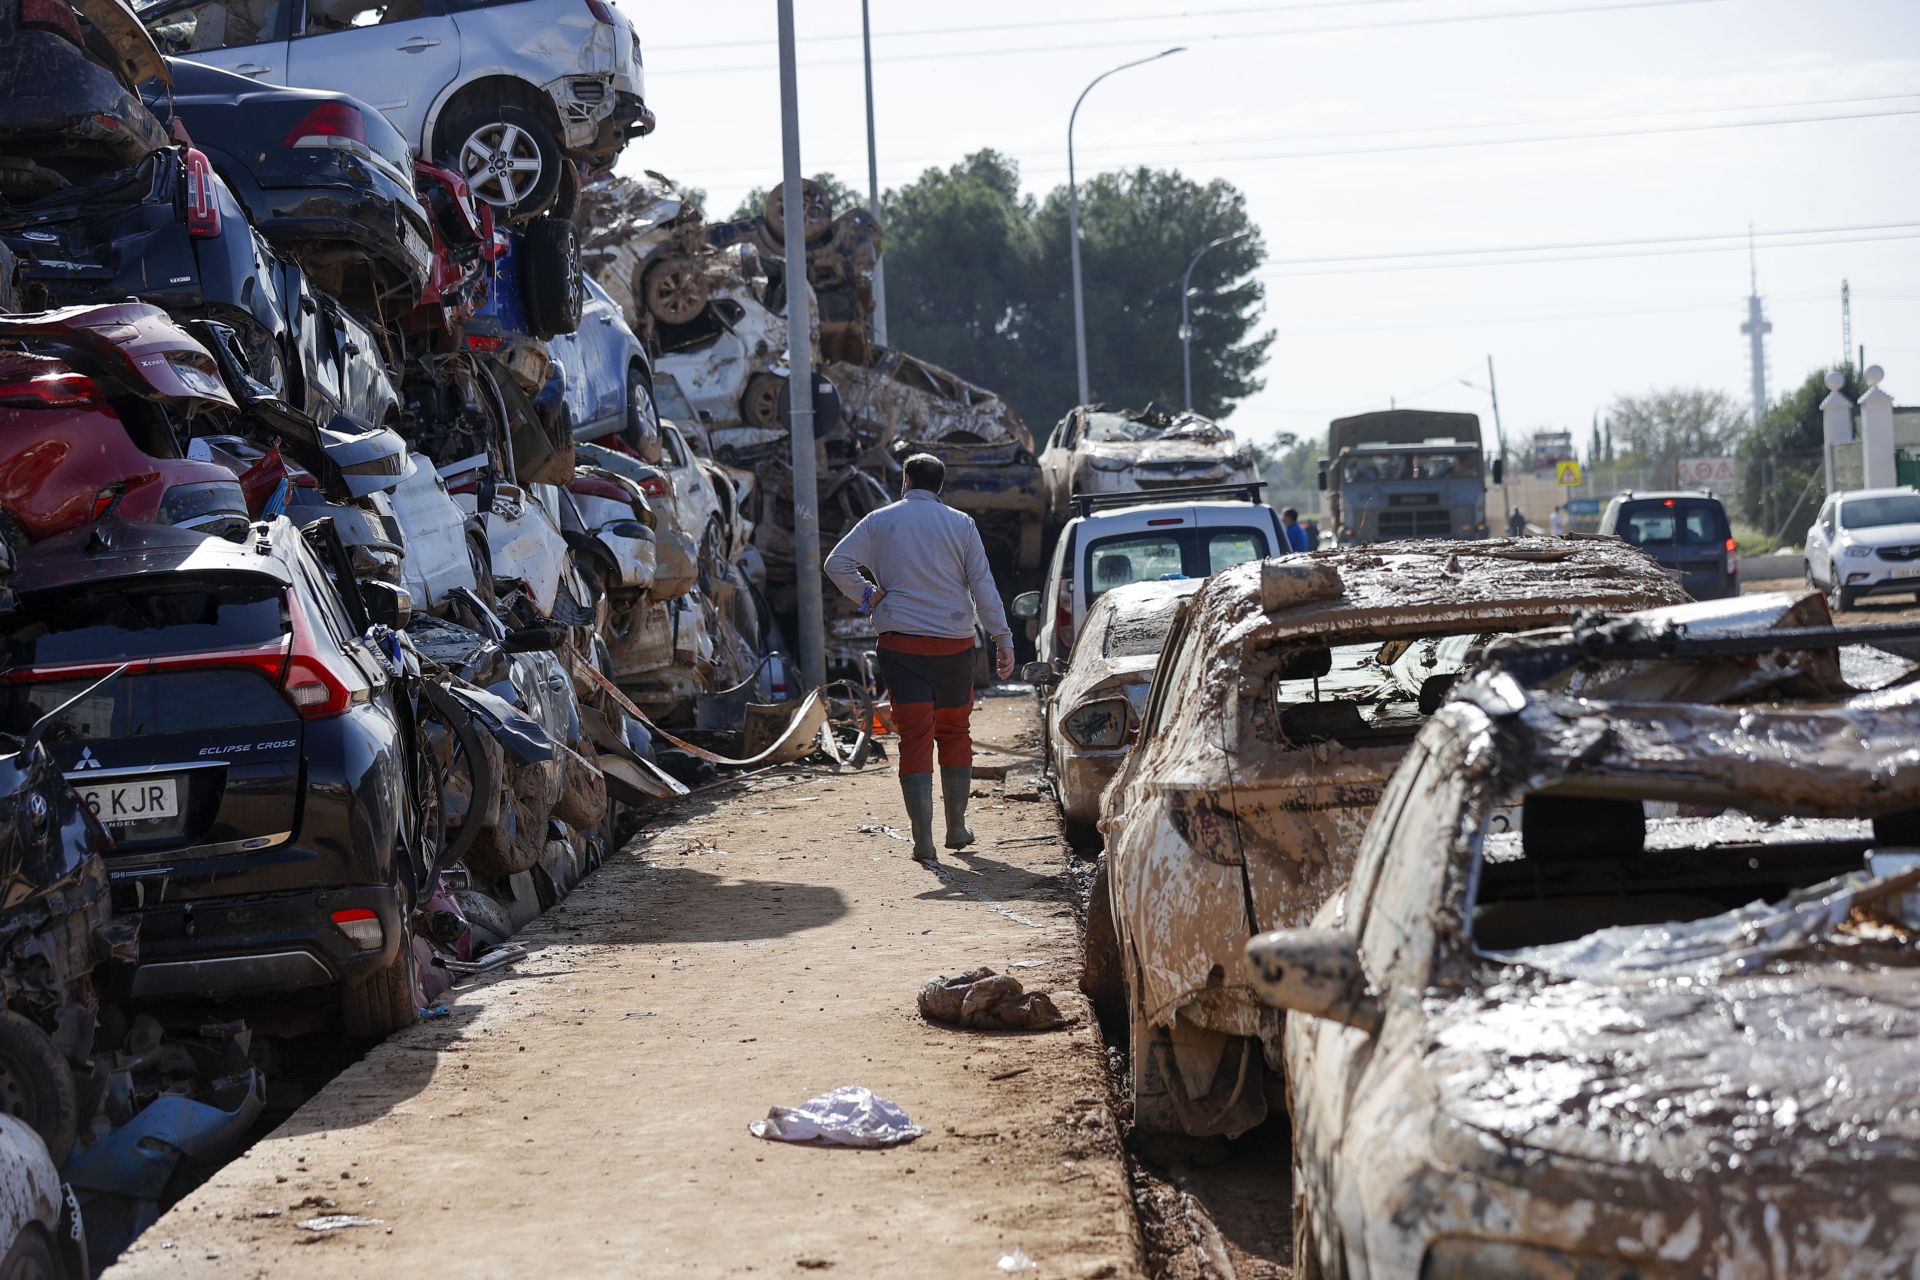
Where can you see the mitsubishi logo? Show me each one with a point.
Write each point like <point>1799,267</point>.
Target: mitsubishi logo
<point>86,760</point>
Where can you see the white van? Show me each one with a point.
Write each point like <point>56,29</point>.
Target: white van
<point>1115,539</point>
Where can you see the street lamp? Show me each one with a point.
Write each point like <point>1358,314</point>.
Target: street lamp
<point>1073,219</point>
<point>1186,325</point>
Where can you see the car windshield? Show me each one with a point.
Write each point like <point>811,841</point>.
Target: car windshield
<point>1424,465</point>
<point>1871,513</point>
<point>1111,428</point>
<point>1368,691</point>
<point>1672,521</point>
<point>1139,630</point>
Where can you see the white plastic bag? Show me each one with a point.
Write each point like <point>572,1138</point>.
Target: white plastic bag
<point>850,1116</point>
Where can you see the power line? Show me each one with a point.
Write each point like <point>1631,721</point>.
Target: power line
<point>1555,246</point>
<point>1462,127</point>
<point>1588,257</point>
<point>1142,41</point>
<point>1107,20</point>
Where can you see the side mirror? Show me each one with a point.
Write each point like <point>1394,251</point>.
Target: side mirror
<point>1040,674</point>
<point>1499,470</point>
<point>1323,473</point>
<point>388,603</point>
<point>1026,605</point>
<point>1315,972</point>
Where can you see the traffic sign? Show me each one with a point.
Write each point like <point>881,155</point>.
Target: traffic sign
<point>1706,471</point>
<point>1567,473</point>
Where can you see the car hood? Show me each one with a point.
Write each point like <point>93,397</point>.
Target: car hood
<point>1884,535</point>
<point>1163,450</point>
<point>1793,1074</point>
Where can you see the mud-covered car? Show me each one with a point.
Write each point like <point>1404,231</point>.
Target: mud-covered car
<point>1095,449</point>
<point>41,1237</point>
<point>250,765</point>
<point>1093,710</point>
<point>1288,692</point>
<point>1665,1027</point>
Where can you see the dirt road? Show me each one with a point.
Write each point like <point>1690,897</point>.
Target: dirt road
<point>585,1113</point>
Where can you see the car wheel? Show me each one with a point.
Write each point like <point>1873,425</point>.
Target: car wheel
<point>760,402</point>
<point>819,217</point>
<point>673,290</point>
<point>32,1258</point>
<point>36,1088</point>
<point>509,157</point>
<point>550,282</point>
<point>1101,979</point>
<point>641,434</point>
<point>1839,598</point>
<point>377,1006</point>
<point>566,196</point>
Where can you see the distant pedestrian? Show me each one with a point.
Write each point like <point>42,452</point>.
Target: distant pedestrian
<point>1313,534</point>
<point>1557,521</point>
<point>1517,524</point>
<point>1297,539</point>
<point>927,580</point>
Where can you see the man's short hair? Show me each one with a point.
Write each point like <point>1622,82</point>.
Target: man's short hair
<point>1290,515</point>
<point>926,472</point>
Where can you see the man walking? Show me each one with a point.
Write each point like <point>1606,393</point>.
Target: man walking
<point>925,580</point>
<point>1297,539</point>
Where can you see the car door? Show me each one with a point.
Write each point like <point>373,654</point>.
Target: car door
<point>246,37</point>
<point>603,350</point>
<point>394,54</point>
<point>1820,545</point>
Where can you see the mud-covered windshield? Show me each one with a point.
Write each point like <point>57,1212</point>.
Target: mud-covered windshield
<point>1141,630</point>
<point>1111,428</point>
<point>1871,513</point>
<point>1424,465</point>
<point>1369,692</point>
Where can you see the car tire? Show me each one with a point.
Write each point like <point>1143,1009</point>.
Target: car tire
<point>484,143</point>
<point>1101,979</point>
<point>635,433</point>
<point>566,196</point>
<point>673,290</point>
<point>819,215</point>
<point>378,1005</point>
<point>550,281</point>
<point>1839,598</point>
<point>760,402</point>
<point>33,1257</point>
<point>36,1087</point>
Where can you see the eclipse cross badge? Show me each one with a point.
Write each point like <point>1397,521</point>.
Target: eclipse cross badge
<point>86,760</point>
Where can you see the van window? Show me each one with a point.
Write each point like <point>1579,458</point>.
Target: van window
<point>1140,557</point>
<point>1229,547</point>
<point>1673,522</point>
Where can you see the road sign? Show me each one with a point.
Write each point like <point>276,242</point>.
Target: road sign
<point>1706,471</point>
<point>1567,473</point>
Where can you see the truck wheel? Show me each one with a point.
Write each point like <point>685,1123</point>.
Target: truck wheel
<point>550,282</point>
<point>36,1087</point>
<point>1101,980</point>
<point>376,1006</point>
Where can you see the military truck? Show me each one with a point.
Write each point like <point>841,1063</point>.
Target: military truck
<point>1406,473</point>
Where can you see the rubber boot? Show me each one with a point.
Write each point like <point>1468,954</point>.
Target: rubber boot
<point>917,790</point>
<point>955,782</point>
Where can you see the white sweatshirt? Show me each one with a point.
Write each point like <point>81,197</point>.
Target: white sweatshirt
<point>931,563</point>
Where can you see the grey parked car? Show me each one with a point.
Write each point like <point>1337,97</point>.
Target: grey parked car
<point>1686,531</point>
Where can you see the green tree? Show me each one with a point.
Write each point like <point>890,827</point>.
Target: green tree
<point>978,279</point>
<point>1780,462</point>
<point>844,198</point>
<point>1290,464</point>
<point>1664,425</point>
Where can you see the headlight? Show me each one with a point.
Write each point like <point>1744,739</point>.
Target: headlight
<point>1458,1258</point>
<point>1098,724</point>
<point>1856,552</point>
<point>1106,462</point>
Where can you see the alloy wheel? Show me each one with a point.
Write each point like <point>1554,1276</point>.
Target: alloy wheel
<point>501,163</point>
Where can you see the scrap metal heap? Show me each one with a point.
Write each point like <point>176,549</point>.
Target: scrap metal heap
<point>710,299</point>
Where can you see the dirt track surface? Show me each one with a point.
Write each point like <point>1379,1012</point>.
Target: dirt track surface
<point>585,1112</point>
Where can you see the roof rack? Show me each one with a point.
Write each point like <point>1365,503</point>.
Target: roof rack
<point>1088,503</point>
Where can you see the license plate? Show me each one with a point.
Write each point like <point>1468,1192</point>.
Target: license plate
<point>121,803</point>
<point>1908,571</point>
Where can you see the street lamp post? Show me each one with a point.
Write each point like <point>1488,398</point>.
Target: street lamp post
<point>873,184</point>
<point>1073,220</point>
<point>1186,324</point>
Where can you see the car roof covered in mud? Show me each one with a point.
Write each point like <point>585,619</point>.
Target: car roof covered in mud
<point>110,549</point>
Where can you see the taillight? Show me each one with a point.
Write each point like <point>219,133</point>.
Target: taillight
<point>361,925</point>
<point>482,342</point>
<point>312,686</point>
<point>1733,555</point>
<point>1063,617</point>
<point>55,389</point>
<point>51,14</point>
<point>331,124</point>
<point>601,13</point>
<point>203,207</point>
<point>656,487</point>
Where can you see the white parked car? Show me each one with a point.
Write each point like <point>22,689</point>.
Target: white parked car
<point>504,91</point>
<point>1095,449</point>
<point>1865,543</point>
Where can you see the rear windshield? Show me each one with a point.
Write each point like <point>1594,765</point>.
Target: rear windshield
<point>1370,692</point>
<point>1140,631</point>
<point>1870,513</point>
<point>1673,522</point>
<point>131,624</point>
<point>1162,555</point>
<point>139,706</point>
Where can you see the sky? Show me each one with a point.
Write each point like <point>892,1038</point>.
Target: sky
<point>1374,141</point>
